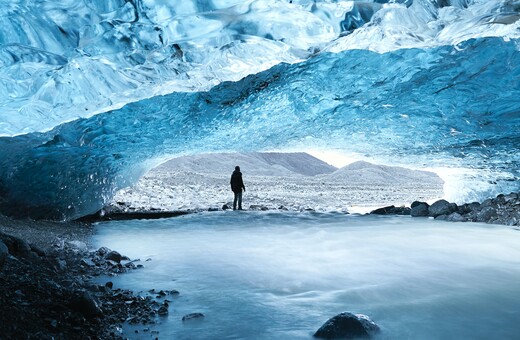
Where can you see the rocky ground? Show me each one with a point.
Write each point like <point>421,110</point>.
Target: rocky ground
<point>47,289</point>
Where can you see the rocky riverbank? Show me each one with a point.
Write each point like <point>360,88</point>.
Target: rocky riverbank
<point>48,291</point>
<point>503,209</point>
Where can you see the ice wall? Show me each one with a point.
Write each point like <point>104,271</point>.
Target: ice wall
<point>95,93</point>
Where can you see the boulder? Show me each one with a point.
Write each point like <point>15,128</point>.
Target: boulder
<point>347,326</point>
<point>113,256</point>
<point>4,252</point>
<point>441,207</point>
<point>486,214</point>
<point>455,217</point>
<point>468,208</point>
<point>78,246</point>
<point>417,203</point>
<point>390,210</point>
<point>419,210</point>
<point>85,304</point>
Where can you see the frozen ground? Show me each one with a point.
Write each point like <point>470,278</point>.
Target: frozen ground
<point>296,181</point>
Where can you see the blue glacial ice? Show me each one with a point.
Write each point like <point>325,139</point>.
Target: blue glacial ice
<point>95,93</point>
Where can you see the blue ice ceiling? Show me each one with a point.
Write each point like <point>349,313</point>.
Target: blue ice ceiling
<point>94,93</point>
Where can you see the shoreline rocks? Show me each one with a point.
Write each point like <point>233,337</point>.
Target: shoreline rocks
<point>503,209</point>
<point>51,294</point>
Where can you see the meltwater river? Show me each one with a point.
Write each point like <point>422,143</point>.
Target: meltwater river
<point>259,275</point>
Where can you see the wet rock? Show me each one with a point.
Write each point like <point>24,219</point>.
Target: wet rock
<point>441,207</point>
<point>455,217</point>
<point>391,210</point>
<point>113,256</point>
<point>78,246</point>
<point>384,211</point>
<point>347,326</point>
<point>102,251</point>
<point>419,209</point>
<point>212,209</point>
<point>192,316</point>
<point>4,252</point>
<point>468,208</point>
<point>163,310</point>
<point>87,262</point>
<point>85,304</point>
<point>226,206</point>
<point>486,214</point>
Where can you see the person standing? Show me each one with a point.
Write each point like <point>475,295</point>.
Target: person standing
<point>237,185</point>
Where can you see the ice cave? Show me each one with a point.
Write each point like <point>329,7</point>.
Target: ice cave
<point>95,93</point>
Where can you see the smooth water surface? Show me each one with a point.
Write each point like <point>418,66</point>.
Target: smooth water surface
<point>257,275</point>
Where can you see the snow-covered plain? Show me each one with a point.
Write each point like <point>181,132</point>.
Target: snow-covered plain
<point>294,181</point>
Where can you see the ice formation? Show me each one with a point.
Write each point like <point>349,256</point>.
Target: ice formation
<point>94,93</point>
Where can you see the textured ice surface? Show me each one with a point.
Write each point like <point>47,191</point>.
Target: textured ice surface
<point>275,180</point>
<point>95,93</point>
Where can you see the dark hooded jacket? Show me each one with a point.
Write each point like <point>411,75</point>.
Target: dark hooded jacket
<point>236,181</point>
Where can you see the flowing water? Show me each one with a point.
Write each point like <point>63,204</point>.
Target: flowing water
<point>259,275</point>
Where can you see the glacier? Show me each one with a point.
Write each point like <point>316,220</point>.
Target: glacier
<point>96,93</point>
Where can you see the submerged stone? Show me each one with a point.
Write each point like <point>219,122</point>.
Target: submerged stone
<point>347,326</point>
<point>192,316</point>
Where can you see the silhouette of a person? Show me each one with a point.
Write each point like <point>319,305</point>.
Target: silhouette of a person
<point>237,185</point>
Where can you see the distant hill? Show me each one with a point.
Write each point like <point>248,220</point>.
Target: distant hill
<point>252,164</point>
<point>364,172</point>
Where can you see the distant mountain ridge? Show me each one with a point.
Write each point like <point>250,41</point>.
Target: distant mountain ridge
<point>297,164</point>
<point>365,172</point>
<point>253,164</point>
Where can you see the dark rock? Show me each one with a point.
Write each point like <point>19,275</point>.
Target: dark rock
<point>192,316</point>
<point>511,197</point>
<point>486,214</point>
<point>78,246</point>
<point>109,285</point>
<point>103,251</point>
<point>347,326</point>
<point>390,210</point>
<point>113,256</point>
<point>417,203</point>
<point>441,207</point>
<point>258,207</point>
<point>38,251</point>
<point>4,252</point>
<point>468,208</point>
<point>87,262</point>
<point>226,207</point>
<point>455,217</point>
<point>163,310</point>
<point>213,209</point>
<point>85,304</point>
<point>419,210</point>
